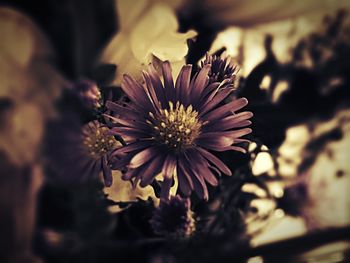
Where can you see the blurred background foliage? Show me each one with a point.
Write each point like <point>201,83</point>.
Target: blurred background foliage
<point>288,196</point>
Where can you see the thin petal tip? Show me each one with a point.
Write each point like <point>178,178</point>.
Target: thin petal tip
<point>244,101</point>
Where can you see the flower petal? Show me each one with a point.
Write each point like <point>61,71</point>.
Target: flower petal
<point>157,85</point>
<point>169,166</point>
<point>130,133</point>
<point>182,84</point>
<point>166,185</point>
<point>185,181</point>
<point>198,182</point>
<point>135,92</point>
<point>144,156</point>
<point>122,111</point>
<point>220,96</point>
<point>214,141</point>
<point>151,170</point>
<point>168,81</point>
<point>201,166</point>
<point>151,92</point>
<point>128,123</point>
<point>214,160</point>
<point>234,121</point>
<point>223,111</point>
<point>138,145</point>
<point>107,173</point>
<point>200,83</point>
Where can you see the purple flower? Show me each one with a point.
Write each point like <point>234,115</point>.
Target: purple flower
<point>171,129</point>
<point>220,69</point>
<point>173,217</point>
<point>88,93</point>
<point>82,153</point>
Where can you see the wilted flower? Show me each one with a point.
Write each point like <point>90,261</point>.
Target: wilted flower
<point>174,217</point>
<point>83,153</point>
<point>88,93</point>
<point>221,69</point>
<point>171,129</point>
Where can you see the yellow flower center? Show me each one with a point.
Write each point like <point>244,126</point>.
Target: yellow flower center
<point>97,141</point>
<point>176,127</point>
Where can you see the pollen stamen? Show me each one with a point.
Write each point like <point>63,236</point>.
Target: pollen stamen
<point>177,127</point>
<point>97,141</point>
